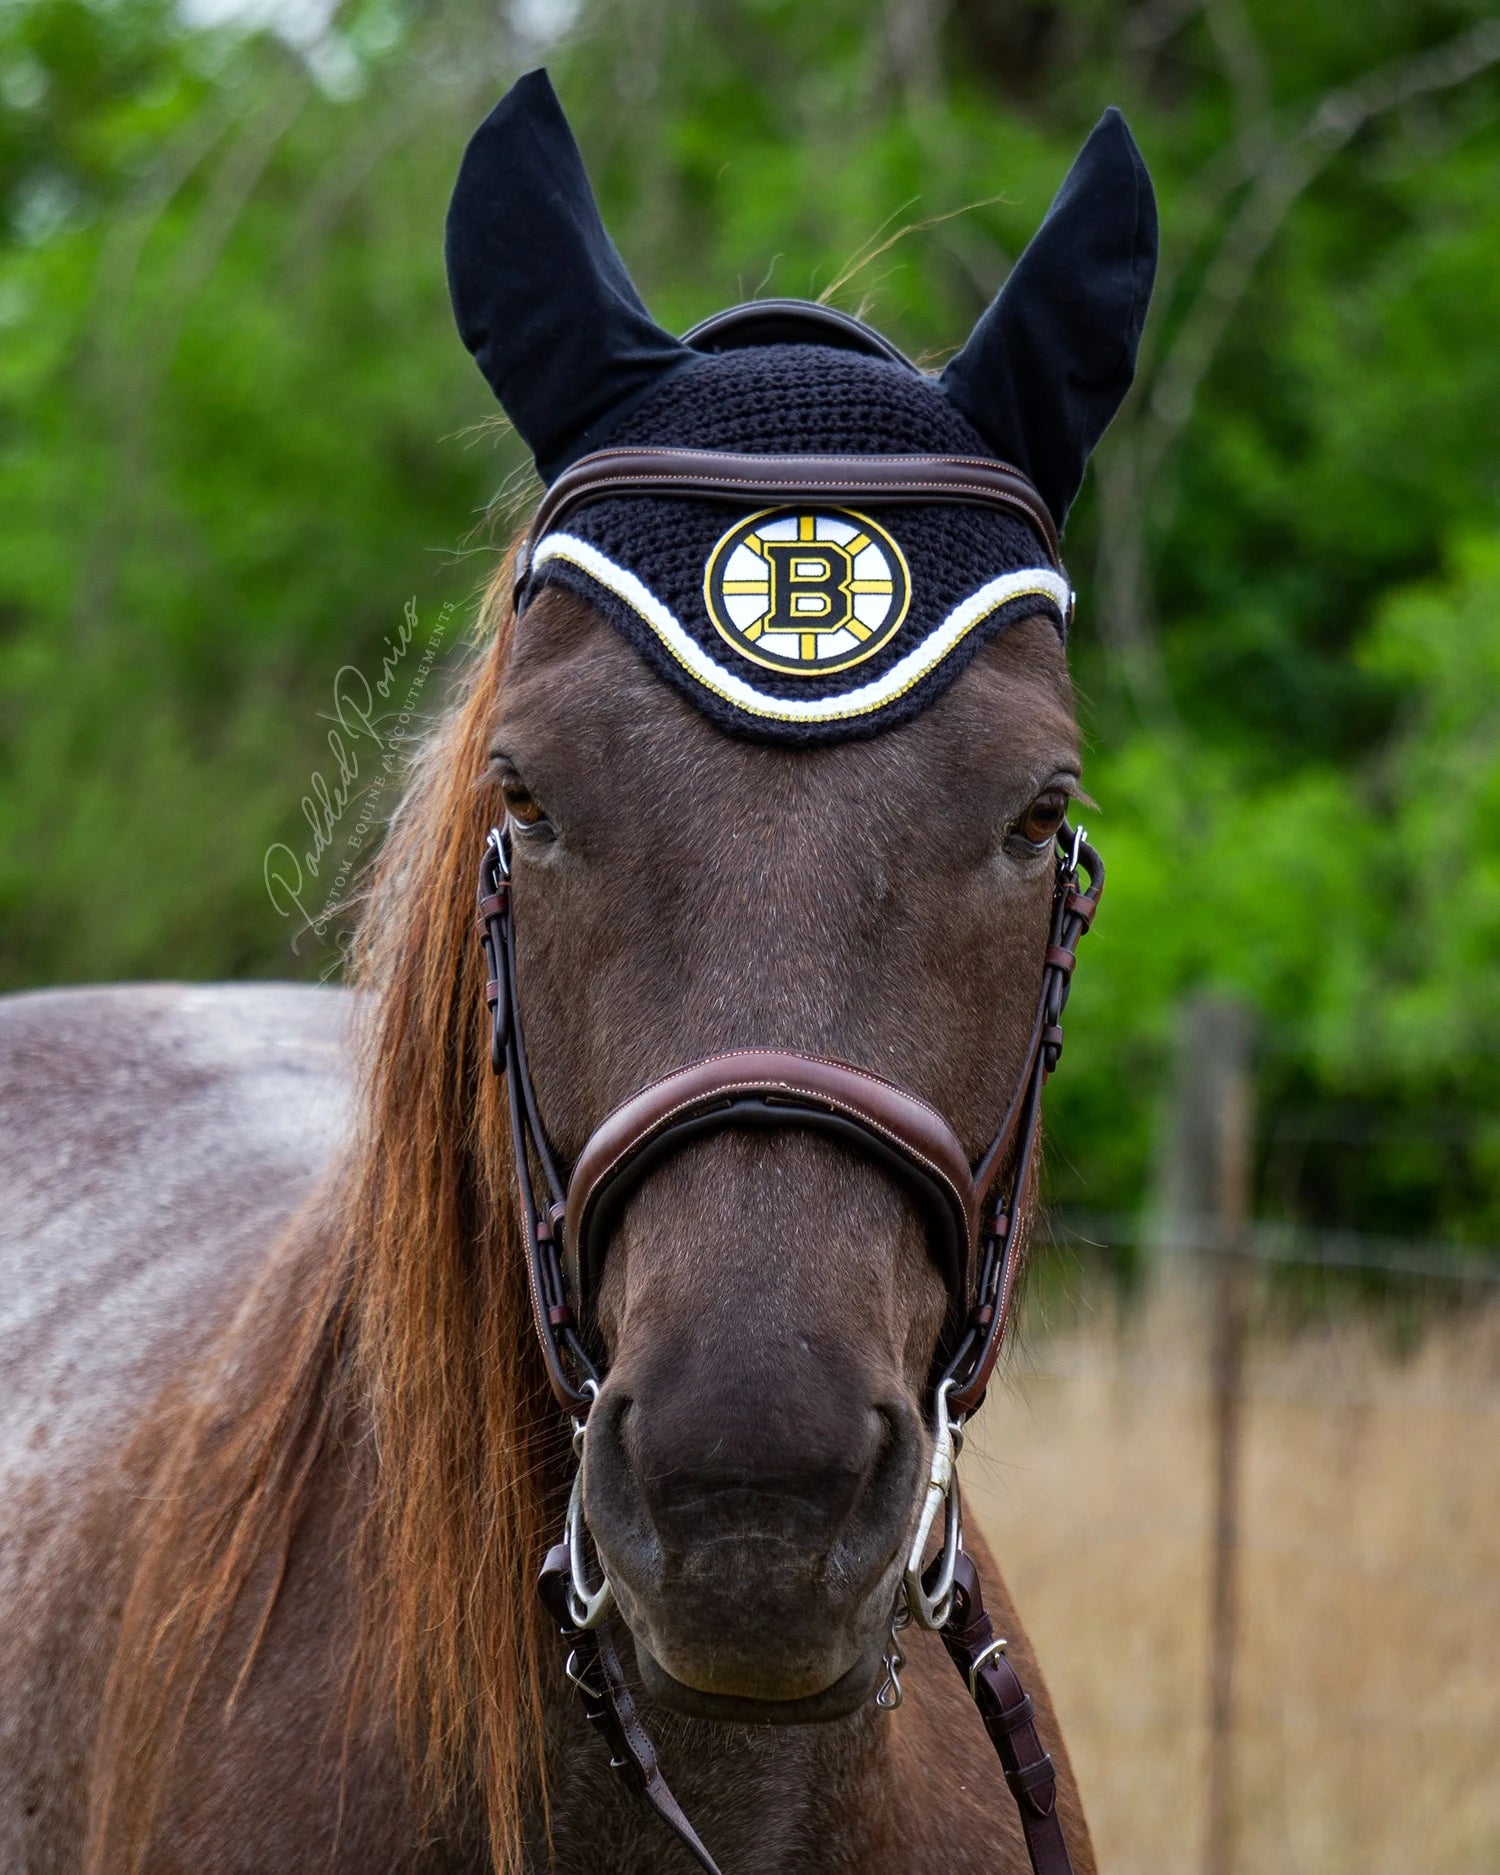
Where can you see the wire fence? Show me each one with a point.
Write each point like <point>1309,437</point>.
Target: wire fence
<point>1259,1544</point>
<point>1468,1265</point>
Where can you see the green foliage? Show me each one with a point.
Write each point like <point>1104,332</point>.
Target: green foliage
<point>237,435</point>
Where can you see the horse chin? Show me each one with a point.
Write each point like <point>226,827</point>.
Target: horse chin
<point>850,1691</point>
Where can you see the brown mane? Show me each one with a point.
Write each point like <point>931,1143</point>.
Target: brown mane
<point>390,1335</point>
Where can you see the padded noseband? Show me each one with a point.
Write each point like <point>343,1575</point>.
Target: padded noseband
<point>763,1088</point>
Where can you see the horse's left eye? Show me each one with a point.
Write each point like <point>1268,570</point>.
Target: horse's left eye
<point>1039,825</point>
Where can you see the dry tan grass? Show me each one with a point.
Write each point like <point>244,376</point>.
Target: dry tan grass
<point>1369,1671</point>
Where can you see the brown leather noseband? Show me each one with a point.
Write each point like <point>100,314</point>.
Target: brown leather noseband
<point>765,1088</point>
<point>976,1212</point>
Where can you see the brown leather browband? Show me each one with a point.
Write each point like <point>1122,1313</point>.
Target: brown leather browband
<point>713,475</point>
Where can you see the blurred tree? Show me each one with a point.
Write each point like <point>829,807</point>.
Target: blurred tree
<point>237,436</point>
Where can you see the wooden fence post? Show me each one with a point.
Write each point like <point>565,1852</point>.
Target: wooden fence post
<point>1203,1206</point>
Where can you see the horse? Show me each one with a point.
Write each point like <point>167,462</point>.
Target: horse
<point>281,1443</point>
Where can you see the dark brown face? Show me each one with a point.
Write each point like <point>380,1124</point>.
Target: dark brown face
<point>769,1305</point>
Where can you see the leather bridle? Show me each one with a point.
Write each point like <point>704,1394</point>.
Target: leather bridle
<point>977,1212</point>
<point>717,475</point>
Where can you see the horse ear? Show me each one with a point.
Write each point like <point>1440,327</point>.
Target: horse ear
<point>542,299</point>
<point>1049,363</point>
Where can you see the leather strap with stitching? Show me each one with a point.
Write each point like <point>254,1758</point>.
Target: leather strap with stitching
<point>773,1087</point>
<point>715,475</point>
<point>1004,1705</point>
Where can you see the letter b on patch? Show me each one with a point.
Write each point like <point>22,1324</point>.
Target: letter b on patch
<point>807,592</point>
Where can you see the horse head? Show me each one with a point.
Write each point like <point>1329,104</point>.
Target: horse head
<point>777,776</point>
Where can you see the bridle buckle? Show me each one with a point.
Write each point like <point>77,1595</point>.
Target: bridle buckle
<point>980,1661</point>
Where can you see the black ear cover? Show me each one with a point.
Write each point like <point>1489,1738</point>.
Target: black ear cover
<point>541,297</point>
<point>1050,361</point>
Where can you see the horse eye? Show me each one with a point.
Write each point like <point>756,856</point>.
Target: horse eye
<point>524,809</point>
<point>1038,826</point>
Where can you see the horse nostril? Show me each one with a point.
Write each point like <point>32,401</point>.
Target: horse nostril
<point>613,1503</point>
<point>894,1475</point>
<point>605,1448</point>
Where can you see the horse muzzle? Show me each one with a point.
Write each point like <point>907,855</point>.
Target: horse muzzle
<point>755,1559</point>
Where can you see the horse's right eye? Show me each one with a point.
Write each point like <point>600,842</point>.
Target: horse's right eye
<point>524,809</point>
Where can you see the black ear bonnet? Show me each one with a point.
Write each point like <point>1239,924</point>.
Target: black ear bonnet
<point>805,621</point>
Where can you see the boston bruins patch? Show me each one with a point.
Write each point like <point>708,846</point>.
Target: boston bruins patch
<point>806,592</point>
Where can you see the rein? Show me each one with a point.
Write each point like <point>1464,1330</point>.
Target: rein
<point>977,1213</point>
